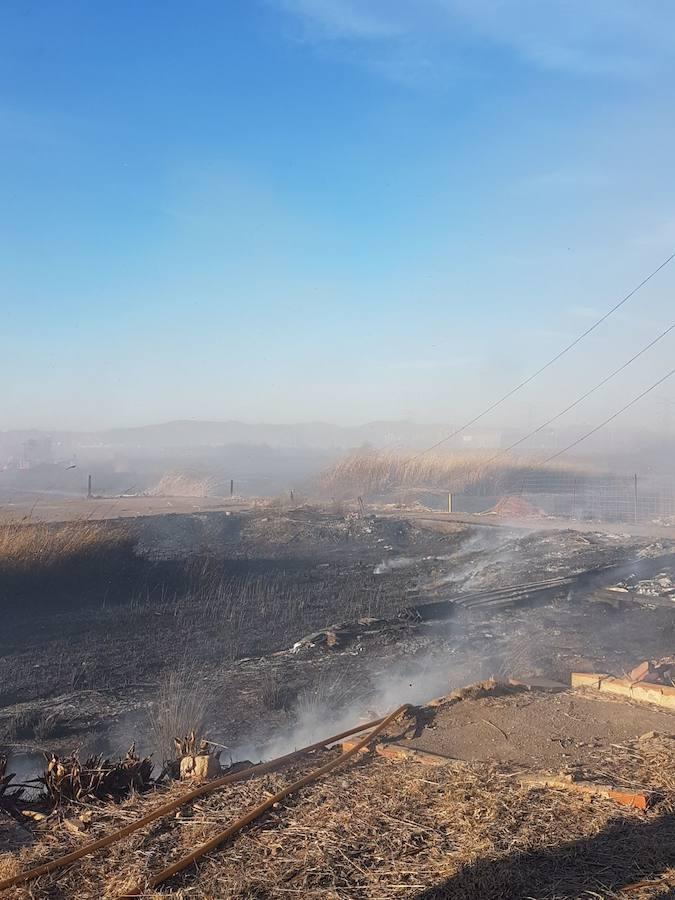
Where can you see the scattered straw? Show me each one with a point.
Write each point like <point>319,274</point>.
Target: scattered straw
<point>388,830</point>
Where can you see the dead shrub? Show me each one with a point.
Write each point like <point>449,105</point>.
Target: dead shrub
<point>274,695</point>
<point>31,725</point>
<point>46,725</point>
<point>180,708</point>
<point>329,691</point>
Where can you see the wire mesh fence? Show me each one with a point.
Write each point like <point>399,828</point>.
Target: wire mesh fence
<point>613,498</point>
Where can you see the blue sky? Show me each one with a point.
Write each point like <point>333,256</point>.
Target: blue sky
<point>344,210</point>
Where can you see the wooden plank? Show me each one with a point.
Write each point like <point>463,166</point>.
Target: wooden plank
<point>400,753</point>
<point>634,799</point>
<point>397,752</point>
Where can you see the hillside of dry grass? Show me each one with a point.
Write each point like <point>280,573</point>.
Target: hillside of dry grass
<point>27,547</point>
<point>63,561</point>
<point>379,472</point>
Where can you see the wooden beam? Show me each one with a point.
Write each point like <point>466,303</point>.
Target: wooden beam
<point>399,753</point>
<point>634,799</point>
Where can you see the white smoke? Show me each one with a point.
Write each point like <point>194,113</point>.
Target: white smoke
<point>333,704</point>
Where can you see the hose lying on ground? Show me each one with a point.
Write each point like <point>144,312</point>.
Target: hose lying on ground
<point>171,805</point>
<point>258,811</point>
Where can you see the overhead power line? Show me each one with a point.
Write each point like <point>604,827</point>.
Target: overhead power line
<point>582,398</point>
<point>554,359</point>
<point>610,419</point>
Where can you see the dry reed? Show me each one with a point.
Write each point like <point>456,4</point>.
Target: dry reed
<point>180,708</point>
<point>373,473</point>
<point>33,547</point>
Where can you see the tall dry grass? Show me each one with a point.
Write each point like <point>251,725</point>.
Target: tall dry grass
<point>35,547</point>
<point>378,472</point>
<point>180,707</point>
<point>183,484</point>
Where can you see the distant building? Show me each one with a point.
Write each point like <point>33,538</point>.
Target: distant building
<point>480,440</point>
<point>35,451</point>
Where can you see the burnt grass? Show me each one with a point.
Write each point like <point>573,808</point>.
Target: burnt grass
<point>213,588</point>
<point>83,646</point>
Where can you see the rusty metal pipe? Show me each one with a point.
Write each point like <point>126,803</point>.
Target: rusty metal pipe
<point>171,805</point>
<point>258,811</point>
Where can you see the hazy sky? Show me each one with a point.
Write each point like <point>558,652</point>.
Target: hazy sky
<point>330,209</point>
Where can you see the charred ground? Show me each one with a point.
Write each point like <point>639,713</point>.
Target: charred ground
<point>222,597</point>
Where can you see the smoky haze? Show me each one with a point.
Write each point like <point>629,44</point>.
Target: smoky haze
<point>211,459</point>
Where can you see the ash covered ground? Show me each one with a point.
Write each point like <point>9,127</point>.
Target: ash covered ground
<point>288,624</point>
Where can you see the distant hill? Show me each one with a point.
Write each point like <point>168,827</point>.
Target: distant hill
<point>189,433</point>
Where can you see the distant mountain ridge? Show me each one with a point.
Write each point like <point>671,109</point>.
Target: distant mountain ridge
<point>185,433</point>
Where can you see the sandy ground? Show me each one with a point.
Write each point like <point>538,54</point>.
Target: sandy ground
<point>536,729</point>
<point>46,508</point>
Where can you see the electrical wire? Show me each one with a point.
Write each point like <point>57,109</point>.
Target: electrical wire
<point>580,399</point>
<point>551,361</point>
<point>611,418</point>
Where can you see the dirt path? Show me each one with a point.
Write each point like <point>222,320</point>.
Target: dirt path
<point>646,529</point>
<point>46,508</point>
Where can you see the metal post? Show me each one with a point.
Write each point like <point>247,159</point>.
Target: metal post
<point>231,487</point>
<point>449,502</point>
<point>636,497</point>
<point>574,498</point>
<point>89,486</point>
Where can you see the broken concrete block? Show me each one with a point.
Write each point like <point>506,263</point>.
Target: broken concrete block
<point>639,673</point>
<point>659,694</point>
<point>199,767</point>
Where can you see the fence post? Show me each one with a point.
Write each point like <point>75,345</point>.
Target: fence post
<point>574,498</point>
<point>636,497</point>
<point>449,502</point>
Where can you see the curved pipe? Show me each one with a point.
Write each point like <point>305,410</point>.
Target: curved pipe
<point>258,811</point>
<point>171,805</point>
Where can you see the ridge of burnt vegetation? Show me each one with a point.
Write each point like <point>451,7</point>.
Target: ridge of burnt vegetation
<point>184,583</point>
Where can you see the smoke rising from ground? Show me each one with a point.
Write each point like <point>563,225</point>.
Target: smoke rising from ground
<point>338,700</point>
